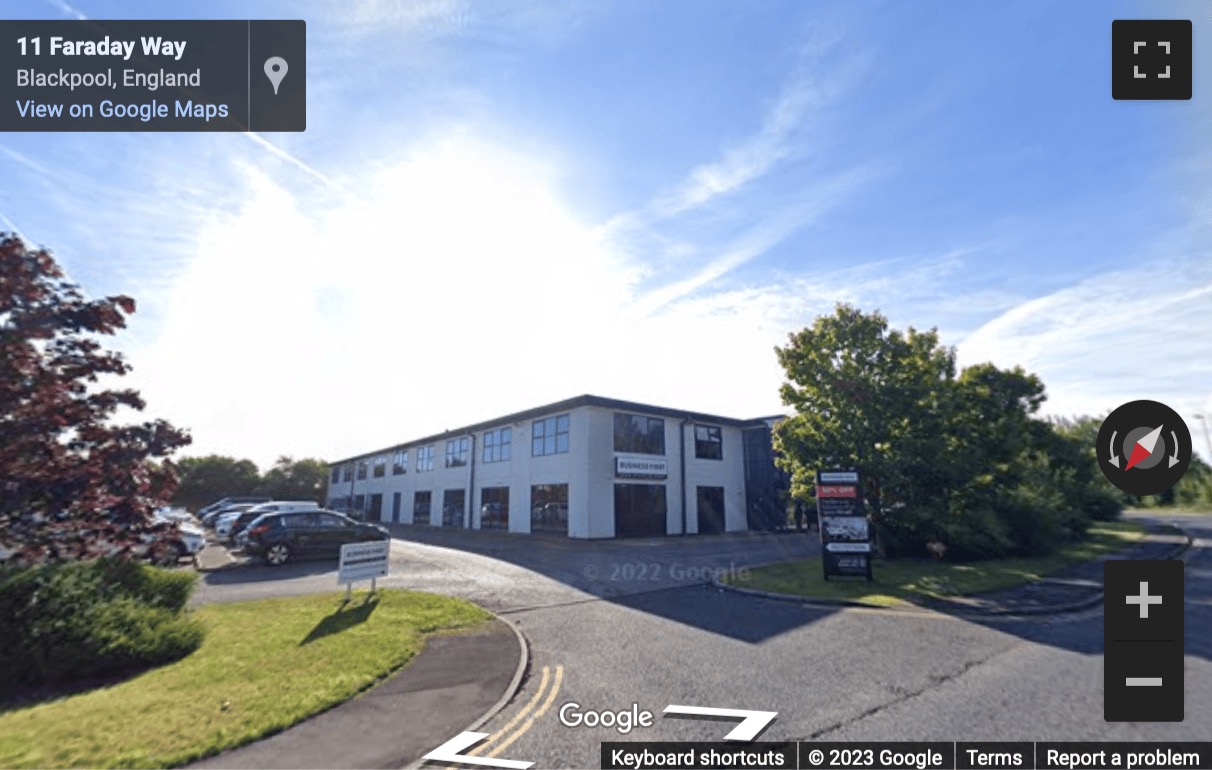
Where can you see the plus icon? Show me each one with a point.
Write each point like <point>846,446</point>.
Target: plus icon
<point>1144,600</point>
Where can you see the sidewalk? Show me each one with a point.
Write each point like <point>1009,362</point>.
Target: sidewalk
<point>455,683</point>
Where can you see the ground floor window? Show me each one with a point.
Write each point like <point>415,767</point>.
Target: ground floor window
<point>640,510</point>
<point>359,507</point>
<point>374,511</point>
<point>711,510</point>
<point>494,508</point>
<point>549,508</point>
<point>454,506</point>
<point>420,507</point>
<point>396,505</point>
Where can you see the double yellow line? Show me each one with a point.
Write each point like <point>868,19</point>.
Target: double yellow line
<point>555,682</point>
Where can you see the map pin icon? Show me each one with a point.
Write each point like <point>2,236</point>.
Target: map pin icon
<point>275,70</point>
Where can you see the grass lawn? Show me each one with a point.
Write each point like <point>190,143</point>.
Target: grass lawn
<point>903,580</point>
<point>264,666</point>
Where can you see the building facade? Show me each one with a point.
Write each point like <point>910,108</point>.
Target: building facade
<point>587,467</point>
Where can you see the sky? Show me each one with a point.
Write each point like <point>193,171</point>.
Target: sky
<point>502,204</point>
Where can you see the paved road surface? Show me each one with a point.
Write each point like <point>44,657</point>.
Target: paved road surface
<point>611,632</point>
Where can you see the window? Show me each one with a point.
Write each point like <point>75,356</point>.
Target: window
<point>399,463</point>
<point>347,472</point>
<point>329,520</point>
<point>380,466</point>
<point>420,507</point>
<point>549,508</point>
<point>639,434</point>
<point>361,469</point>
<point>494,507</point>
<point>425,458</point>
<point>396,502</point>
<point>708,443</point>
<point>549,436</point>
<point>456,452</point>
<point>497,445</point>
<point>453,507</point>
<point>336,474</point>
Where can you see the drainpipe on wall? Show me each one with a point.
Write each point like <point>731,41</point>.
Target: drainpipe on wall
<point>682,467</point>
<point>471,483</point>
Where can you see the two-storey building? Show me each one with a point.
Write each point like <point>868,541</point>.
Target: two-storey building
<point>587,467</point>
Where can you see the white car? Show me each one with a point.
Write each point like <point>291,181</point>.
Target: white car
<point>191,540</point>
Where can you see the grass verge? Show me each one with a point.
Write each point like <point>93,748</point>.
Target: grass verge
<point>903,580</point>
<point>264,666</point>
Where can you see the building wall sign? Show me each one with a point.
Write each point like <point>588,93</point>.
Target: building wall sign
<point>641,467</point>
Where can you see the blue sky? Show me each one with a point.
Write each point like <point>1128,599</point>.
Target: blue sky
<point>499,204</point>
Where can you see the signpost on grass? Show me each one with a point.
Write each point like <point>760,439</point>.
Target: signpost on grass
<point>845,530</point>
<point>362,561</point>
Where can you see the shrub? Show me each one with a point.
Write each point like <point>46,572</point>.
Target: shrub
<point>92,619</point>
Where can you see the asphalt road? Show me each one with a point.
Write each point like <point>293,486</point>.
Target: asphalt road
<point>616,624</point>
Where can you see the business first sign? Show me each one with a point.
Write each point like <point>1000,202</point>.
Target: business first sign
<point>845,530</point>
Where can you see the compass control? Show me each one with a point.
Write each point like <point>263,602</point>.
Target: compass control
<point>1144,448</point>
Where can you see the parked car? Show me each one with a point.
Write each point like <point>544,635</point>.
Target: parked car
<point>224,521</point>
<point>285,537</point>
<point>212,518</point>
<point>240,523</point>
<point>190,540</point>
<point>216,505</point>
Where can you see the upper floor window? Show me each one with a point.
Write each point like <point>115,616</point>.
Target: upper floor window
<point>425,458</point>
<point>361,469</point>
<point>457,450</point>
<point>549,436</point>
<point>336,473</point>
<point>639,434</point>
<point>708,442</point>
<point>347,472</point>
<point>399,463</point>
<point>497,445</point>
<point>380,466</point>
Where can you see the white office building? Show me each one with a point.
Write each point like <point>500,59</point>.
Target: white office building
<point>587,467</point>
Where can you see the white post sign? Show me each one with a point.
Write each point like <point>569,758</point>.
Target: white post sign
<point>363,561</point>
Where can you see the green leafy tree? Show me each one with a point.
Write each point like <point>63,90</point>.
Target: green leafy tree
<point>867,398</point>
<point>207,479</point>
<point>292,479</point>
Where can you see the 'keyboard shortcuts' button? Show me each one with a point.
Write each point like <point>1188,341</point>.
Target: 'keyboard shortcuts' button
<point>1143,641</point>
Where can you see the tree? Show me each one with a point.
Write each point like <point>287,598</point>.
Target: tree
<point>292,479</point>
<point>865,398</point>
<point>73,484</point>
<point>961,461</point>
<point>207,479</point>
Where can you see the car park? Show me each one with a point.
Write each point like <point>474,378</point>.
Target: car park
<point>285,537</point>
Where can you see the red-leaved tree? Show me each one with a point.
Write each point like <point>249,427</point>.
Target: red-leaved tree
<point>72,484</point>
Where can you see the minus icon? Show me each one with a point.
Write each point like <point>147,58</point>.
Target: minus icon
<point>1144,681</point>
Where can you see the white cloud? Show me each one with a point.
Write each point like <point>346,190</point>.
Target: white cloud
<point>1116,337</point>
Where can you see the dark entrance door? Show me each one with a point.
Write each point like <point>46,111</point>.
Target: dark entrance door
<point>639,510</point>
<point>376,508</point>
<point>711,510</point>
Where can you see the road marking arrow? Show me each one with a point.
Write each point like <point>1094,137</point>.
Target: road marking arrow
<point>449,752</point>
<point>752,722</point>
